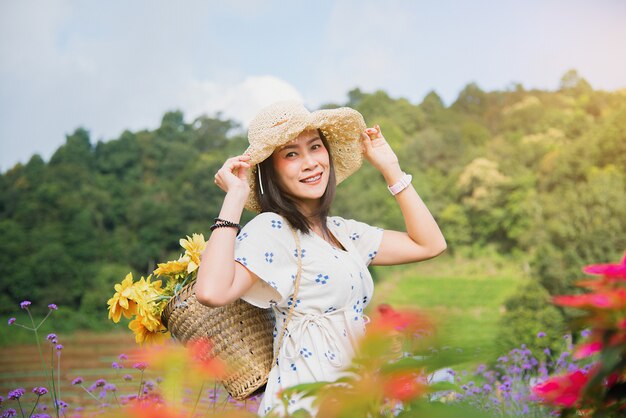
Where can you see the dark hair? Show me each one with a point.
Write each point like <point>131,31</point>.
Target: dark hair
<point>275,200</point>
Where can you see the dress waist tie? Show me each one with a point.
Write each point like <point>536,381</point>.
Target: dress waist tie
<point>300,325</point>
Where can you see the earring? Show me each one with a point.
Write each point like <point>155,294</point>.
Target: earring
<point>260,182</point>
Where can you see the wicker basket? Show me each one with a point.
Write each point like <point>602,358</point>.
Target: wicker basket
<point>241,336</point>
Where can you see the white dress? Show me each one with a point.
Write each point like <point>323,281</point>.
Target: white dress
<point>335,287</point>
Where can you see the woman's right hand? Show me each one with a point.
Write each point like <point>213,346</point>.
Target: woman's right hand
<point>234,174</point>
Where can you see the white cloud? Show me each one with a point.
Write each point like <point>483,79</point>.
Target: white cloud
<point>239,101</point>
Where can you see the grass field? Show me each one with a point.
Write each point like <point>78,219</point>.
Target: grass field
<point>464,297</point>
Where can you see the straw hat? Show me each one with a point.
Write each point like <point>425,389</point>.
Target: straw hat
<point>281,122</point>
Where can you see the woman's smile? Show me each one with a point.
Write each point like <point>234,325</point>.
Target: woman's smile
<point>302,167</point>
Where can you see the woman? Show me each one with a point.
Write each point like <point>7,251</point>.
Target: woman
<point>289,173</point>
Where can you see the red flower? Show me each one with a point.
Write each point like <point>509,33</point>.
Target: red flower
<point>616,271</point>
<point>610,299</point>
<point>200,352</point>
<point>587,349</point>
<point>403,387</point>
<point>562,391</point>
<point>404,321</point>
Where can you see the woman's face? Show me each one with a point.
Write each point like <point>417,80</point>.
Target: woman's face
<point>302,168</point>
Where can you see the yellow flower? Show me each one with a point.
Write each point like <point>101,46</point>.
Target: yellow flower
<point>194,246</point>
<point>147,296</point>
<point>123,301</point>
<point>145,335</point>
<point>172,268</point>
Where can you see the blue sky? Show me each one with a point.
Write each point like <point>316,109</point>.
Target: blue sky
<point>116,65</point>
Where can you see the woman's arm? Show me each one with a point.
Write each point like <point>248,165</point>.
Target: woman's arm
<point>423,239</point>
<point>221,280</point>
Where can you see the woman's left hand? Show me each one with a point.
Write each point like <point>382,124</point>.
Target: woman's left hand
<point>377,150</point>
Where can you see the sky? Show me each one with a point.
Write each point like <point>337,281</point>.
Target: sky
<point>117,65</point>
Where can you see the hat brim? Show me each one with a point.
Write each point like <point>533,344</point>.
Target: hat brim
<point>342,128</point>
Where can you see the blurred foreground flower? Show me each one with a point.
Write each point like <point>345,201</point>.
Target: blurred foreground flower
<point>600,391</point>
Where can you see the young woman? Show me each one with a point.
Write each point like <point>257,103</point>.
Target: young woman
<point>288,174</point>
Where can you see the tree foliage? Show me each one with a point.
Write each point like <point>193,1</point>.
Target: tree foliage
<point>537,174</point>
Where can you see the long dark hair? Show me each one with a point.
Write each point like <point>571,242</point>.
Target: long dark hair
<point>276,200</point>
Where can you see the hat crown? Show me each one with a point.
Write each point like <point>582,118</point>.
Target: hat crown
<point>275,119</point>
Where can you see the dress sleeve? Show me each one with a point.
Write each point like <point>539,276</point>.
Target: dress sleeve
<point>366,238</point>
<point>263,248</point>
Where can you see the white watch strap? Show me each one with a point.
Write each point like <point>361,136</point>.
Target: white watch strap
<point>402,184</point>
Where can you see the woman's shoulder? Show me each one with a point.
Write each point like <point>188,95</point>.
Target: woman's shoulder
<point>266,222</point>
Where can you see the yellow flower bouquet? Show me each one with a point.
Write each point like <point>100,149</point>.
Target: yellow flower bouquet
<point>144,300</point>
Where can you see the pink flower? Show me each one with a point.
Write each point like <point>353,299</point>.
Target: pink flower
<point>611,299</point>
<point>588,349</point>
<point>563,390</point>
<point>617,271</point>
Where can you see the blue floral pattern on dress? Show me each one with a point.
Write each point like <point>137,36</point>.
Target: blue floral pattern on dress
<point>276,223</point>
<point>302,253</point>
<point>305,352</point>
<point>290,302</point>
<point>242,260</point>
<point>372,255</point>
<point>322,278</point>
<point>293,367</point>
<point>354,236</point>
<point>269,257</point>
<point>330,355</point>
<point>242,236</point>
<point>358,310</point>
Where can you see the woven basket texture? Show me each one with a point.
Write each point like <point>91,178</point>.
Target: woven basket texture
<point>241,336</point>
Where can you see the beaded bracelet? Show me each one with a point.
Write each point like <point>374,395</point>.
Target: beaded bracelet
<point>223,223</point>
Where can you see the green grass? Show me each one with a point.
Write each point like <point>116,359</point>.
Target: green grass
<point>463,297</point>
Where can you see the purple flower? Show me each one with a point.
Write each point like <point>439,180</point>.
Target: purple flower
<point>116,365</point>
<point>128,377</point>
<point>61,404</point>
<point>41,416</point>
<point>59,347</point>
<point>110,387</point>
<point>140,366</point>
<point>100,383</point>
<point>40,391</point>
<point>585,333</point>
<point>10,413</point>
<point>52,338</point>
<point>541,335</point>
<point>77,381</point>
<point>25,304</point>
<point>11,321</point>
<point>123,357</point>
<point>17,393</point>
<point>52,307</point>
